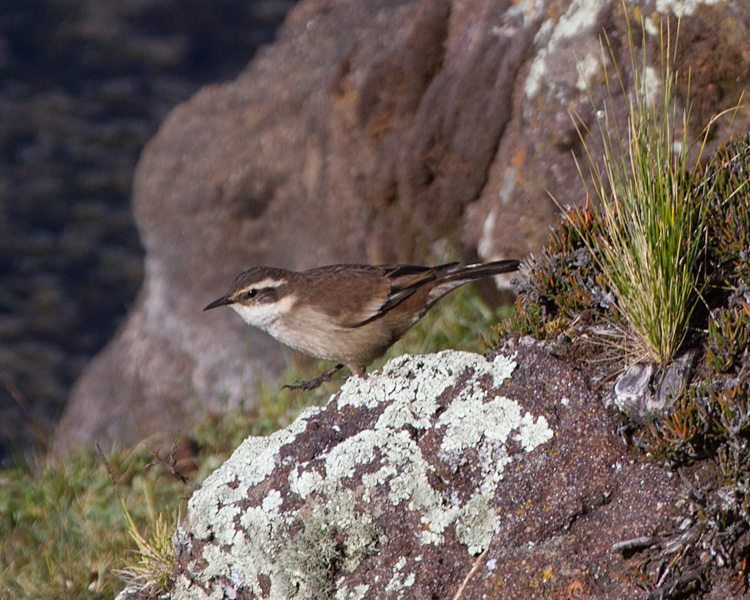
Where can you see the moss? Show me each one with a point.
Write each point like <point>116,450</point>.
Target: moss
<point>322,549</point>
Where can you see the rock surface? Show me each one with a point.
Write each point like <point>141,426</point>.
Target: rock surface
<point>503,477</point>
<point>376,131</point>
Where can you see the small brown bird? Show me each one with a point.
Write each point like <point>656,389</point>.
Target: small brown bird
<point>350,314</point>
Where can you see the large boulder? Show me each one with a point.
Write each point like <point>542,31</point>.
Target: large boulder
<point>503,478</point>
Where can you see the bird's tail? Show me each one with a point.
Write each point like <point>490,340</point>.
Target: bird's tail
<point>453,276</point>
<point>478,271</point>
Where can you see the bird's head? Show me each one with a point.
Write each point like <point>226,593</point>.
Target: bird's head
<point>258,295</point>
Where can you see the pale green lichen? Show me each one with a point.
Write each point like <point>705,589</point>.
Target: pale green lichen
<point>477,524</point>
<point>400,581</point>
<point>533,433</point>
<point>470,421</point>
<point>358,593</point>
<point>304,483</point>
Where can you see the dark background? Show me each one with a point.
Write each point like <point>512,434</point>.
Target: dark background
<point>83,85</point>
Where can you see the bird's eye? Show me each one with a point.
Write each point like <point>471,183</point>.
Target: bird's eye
<point>251,294</point>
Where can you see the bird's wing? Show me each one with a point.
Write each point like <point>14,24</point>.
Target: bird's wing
<point>377,289</point>
<point>407,279</point>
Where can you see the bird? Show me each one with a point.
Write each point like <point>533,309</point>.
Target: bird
<point>348,313</point>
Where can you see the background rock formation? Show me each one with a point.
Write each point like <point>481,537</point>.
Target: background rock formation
<point>372,131</point>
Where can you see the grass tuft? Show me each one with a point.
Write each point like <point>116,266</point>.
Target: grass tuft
<point>655,222</point>
<point>153,570</point>
<point>154,567</point>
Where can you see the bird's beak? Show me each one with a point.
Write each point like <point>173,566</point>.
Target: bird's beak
<point>219,302</point>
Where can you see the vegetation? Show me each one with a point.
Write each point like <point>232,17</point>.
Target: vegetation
<point>63,530</point>
<point>566,298</point>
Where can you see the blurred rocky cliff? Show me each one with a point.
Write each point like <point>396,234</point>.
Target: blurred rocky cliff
<point>83,85</point>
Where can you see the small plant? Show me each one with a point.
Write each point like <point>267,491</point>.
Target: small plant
<point>555,289</point>
<point>154,567</point>
<point>681,436</point>
<point>728,337</point>
<point>727,180</point>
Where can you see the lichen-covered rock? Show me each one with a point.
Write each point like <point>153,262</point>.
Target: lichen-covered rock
<point>504,474</point>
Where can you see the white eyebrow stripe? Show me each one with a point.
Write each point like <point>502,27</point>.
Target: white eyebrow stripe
<point>267,283</point>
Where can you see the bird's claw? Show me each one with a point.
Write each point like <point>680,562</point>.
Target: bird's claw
<point>313,384</point>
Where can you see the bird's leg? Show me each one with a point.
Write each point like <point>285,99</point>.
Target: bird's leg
<point>320,379</point>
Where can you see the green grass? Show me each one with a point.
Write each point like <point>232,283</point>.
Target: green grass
<point>152,567</point>
<point>63,529</point>
<point>655,221</point>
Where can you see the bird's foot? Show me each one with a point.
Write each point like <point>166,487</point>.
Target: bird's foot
<point>318,381</point>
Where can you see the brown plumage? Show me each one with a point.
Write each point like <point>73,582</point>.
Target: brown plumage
<point>350,314</point>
